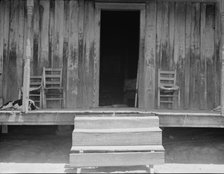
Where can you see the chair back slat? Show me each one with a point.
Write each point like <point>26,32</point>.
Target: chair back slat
<point>167,78</point>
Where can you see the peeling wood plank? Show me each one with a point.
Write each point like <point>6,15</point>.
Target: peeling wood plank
<point>2,5</point>
<point>36,40</point>
<point>51,32</point>
<point>187,55</point>
<point>88,53</point>
<point>44,34</point>
<point>20,41</point>
<point>72,67</point>
<point>6,48</point>
<point>195,57</point>
<point>179,47</point>
<point>217,55</point>
<point>11,65</point>
<point>142,99</point>
<point>96,57</point>
<point>81,90</point>
<point>203,69</point>
<point>210,55</point>
<point>66,49</point>
<point>58,34</point>
<point>150,55</point>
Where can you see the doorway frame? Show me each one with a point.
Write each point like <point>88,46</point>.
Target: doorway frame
<point>121,7</point>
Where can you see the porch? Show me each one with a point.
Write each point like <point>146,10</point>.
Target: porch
<point>167,118</point>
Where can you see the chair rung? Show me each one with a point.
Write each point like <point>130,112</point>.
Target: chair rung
<point>53,99</point>
<point>166,102</point>
<point>35,95</point>
<point>168,95</point>
<point>54,88</point>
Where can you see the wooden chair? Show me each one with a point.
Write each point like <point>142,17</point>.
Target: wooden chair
<point>52,82</point>
<point>168,91</point>
<point>36,90</point>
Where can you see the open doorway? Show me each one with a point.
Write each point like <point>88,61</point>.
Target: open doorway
<point>119,54</point>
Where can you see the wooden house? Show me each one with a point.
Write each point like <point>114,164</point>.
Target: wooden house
<point>102,44</point>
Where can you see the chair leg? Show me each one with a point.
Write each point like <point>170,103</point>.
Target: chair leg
<point>44,101</point>
<point>179,99</point>
<point>158,99</point>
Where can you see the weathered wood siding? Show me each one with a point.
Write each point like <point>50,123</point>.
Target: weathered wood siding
<point>187,39</point>
<point>63,36</point>
<point>178,35</point>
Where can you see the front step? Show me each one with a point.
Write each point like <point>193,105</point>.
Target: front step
<point>116,122</point>
<point>117,137</point>
<point>116,141</point>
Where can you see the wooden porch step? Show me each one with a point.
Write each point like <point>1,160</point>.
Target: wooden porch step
<point>116,122</point>
<point>91,149</point>
<point>115,159</point>
<point>116,137</point>
<point>116,141</point>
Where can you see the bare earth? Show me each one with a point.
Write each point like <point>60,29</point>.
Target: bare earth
<point>30,149</point>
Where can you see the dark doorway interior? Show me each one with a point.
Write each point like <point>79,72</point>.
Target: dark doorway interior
<point>119,52</point>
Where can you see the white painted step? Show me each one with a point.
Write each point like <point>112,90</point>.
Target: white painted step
<point>116,122</point>
<point>117,137</point>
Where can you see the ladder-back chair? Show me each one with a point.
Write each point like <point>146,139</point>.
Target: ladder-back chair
<point>168,91</point>
<point>35,90</point>
<point>53,89</point>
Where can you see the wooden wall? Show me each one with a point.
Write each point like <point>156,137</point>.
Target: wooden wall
<point>179,35</point>
<point>188,39</point>
<point>63,36</point>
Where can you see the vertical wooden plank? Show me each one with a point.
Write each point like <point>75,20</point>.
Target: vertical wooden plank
<point>158,34</point>
<point>96,57</point>
<point>6,49</point>
<point>158,42</point>
<point>203,69</point>
<point>217,54</point>
<point>66,49</point>
<point>57,29</point>
<point>85,61</point>
<point>187,55</point>
<point>142,76</point>
<point>81,60</point>
<point>11,80</point>
<point>1,34</point>
<point>88,52</point>
<point>26,72</point>
<point>72,70</point>
<point>195,57</point>
<point>163,30</point>
<point>179,47</point>
<point>44,34</point>
<point>20,42</point>
<point>210,61</point>
<point>52,38</point>
<point>171,34</point>
<point>150,54</point>
<point>221,3</point>
<point>1,44</point>
<point>91,54</point>
<point>36,40</point>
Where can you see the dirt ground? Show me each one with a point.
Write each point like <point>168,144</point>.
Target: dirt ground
<point>38,145</point>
